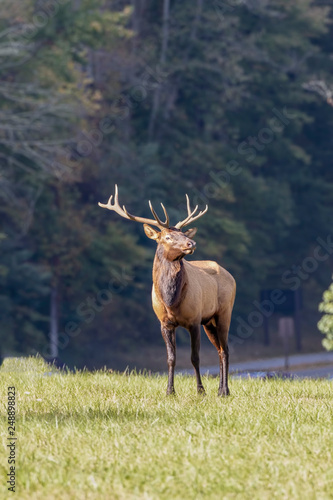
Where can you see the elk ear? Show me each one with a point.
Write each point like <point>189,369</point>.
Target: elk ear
<point>191,232</point>
<point>151,232</point>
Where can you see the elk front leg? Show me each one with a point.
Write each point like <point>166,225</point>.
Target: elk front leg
<point>195,349</point>
<point>169,336</point>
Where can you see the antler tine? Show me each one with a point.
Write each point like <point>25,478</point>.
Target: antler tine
<point>189,219</point>
<point>190,213</point>
<point>109,205</point>
<point>106,205</point>
<point>115,207</point>
<point>200,214</point>
<point>130,216</point>
<point>167,220</point>
<point>188,204</point>
<point>160,223</point>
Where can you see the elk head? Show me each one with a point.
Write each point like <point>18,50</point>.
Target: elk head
<point>171,239</point>
<point>175,244</point>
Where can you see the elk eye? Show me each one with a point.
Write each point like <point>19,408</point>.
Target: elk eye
<point>168,238</point>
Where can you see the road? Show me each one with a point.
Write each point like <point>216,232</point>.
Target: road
<point>301,365</point>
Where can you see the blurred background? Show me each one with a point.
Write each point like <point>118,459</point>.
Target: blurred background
<point>229,101</point>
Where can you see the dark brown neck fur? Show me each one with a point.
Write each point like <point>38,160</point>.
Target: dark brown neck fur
<point>168,277</point>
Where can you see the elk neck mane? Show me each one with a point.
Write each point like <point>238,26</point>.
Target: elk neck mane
<point>168,278</point>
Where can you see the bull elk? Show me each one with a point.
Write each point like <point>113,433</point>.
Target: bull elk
<point>187,294</point>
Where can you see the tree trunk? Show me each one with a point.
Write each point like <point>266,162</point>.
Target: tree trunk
<point>164,48</point>
<point>196,19</point>
<point>165,31</point>
<point>54,322</point>
<point>135,24</point>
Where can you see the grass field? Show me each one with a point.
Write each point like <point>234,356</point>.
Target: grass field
<point>117,436</point>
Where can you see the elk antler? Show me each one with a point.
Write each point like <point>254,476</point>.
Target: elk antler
<point>189,219</point>
<point>123,212</point>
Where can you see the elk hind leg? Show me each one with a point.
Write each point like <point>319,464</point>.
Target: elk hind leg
<point>216,334</point>
<point>223,324</point>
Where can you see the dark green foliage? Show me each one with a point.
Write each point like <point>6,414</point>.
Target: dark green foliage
<point>325,325</point>
<point>215,103</point>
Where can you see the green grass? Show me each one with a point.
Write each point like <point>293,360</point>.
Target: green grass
<point>117,436</point>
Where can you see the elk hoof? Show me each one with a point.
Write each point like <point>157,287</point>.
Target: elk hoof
<point>201,390</point>
<point>170,392</point>
<point>224,392</point>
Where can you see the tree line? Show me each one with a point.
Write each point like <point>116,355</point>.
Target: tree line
<point>230,102</point>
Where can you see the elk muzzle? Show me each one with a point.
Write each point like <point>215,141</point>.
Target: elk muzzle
<point>190,246</point>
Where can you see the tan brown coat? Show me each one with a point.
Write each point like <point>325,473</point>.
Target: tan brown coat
<point>187,294</point>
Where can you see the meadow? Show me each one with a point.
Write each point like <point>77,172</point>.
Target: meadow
<point>104,435</point>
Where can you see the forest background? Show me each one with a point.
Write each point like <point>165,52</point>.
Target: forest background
<point>228,101</point>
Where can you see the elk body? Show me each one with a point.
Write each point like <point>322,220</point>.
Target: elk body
<point>187,294</point>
